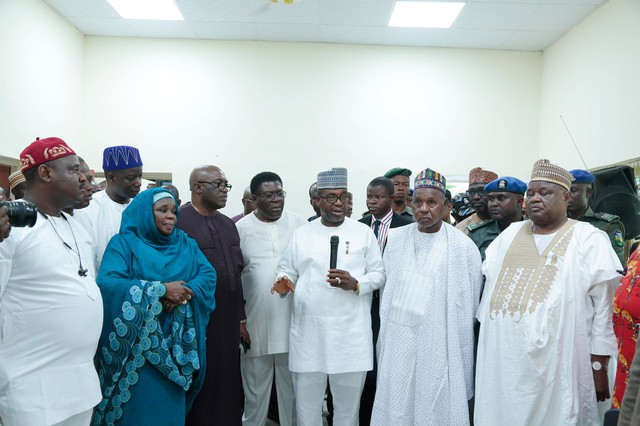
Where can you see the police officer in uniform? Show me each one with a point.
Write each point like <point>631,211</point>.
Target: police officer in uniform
<point>578,208</point>
<point>505,196</point>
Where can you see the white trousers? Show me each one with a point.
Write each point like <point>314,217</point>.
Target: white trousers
<point>80,419</point>
<point>257,376</point>
<point>346,389</point>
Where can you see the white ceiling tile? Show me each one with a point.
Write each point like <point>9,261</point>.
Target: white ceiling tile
<point>491,24</point>
<point>83,8</point>
<point>557,18</point>
<point>494,16</point>
<point>413,36</point>
<point>287,32</point>
<point>303,12</point>
<point>351,34</point>
<point>214,10</point>
<point>224,30</point>
<point>170,29</point>
<point>356,12</point>
<point>531,41</point>
<point>475,39</point>
<point>102,27</point>
<point>556,2</point>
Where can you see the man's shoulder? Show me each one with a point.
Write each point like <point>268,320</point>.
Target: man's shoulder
<point>601,220</point>
<point>608,217</point>
<point>356,224</point>
<point>484,225</point>
<point>294,218</point>
<point>398,221</point>
<point>466,222</point>
<point>366,219</point>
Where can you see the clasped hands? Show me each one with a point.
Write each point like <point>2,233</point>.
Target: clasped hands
<point>177,294</point>
<point>336,278</point>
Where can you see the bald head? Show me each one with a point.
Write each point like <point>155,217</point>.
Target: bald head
<point>209,187</point>
<point>201,174</point>
<point>248,203</point>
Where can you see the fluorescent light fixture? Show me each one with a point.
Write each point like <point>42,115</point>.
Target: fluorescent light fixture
<point>425,14</point>
<point>161,10</point>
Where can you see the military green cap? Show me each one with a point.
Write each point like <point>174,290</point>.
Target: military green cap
<point>397,171</point>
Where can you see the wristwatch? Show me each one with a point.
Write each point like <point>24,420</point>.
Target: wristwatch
<point>596,365</point>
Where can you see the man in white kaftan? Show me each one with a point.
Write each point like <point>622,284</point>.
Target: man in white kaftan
<point>427,312</point>
<point>123,171</point>
<point>50,305</point>
<point>264,235</point>
<point>331,320</point>
<point>546,332</point>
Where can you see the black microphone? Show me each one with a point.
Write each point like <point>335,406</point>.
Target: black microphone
<point>333,259</point>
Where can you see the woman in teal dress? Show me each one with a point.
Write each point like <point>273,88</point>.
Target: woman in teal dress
<point>158,292</point>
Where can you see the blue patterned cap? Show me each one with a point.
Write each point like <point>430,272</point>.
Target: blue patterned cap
<point>581,176</point>
<point>120,158</point>
<point>335,178</point>
<point>506,184</point>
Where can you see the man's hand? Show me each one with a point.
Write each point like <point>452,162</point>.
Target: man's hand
<point>342,279</point>
<point>244,334</point>
<point>601,378</point>
<point>283,285</point>
<point>5,226</point>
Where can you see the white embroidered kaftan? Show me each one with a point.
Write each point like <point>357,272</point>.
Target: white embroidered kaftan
<point>544,311</point>
<point>427,312</point>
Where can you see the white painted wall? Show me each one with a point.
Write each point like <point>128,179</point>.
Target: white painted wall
<point>297,109</point>
<point>41,73</point>
<point>592,78</point>
<point>300,108</point>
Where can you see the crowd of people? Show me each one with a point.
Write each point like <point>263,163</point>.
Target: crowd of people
<point>125,306</point>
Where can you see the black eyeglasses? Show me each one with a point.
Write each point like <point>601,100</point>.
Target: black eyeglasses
<point>473,192</point>
<point>332,198</point>
<point>273,195</point>
<point>222,185</point>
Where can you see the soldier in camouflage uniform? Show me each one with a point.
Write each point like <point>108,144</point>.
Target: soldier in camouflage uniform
<point>505,196</point>
<point>578,208</point>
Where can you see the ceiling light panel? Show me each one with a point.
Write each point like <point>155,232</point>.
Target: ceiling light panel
<point>421,14</point>
<point>161,10</point>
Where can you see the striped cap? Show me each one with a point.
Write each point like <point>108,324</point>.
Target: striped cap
<point>544,170</point>
<point>335,178</point>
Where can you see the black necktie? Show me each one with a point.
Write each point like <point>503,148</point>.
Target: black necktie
<point>376,227</point>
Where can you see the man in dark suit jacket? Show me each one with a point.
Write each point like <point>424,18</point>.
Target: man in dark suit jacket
<point>381,218</point>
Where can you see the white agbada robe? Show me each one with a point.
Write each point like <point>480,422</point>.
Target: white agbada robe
<point>268,317</point>
<point>102,220</point>
<point>331,327</point>
<point>50,322</point>
<point>534,352</point>
<point>427,312</point>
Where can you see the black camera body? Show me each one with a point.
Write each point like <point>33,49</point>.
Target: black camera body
<point>21,213</point>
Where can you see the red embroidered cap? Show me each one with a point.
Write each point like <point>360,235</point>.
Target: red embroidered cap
<point>43,150</point>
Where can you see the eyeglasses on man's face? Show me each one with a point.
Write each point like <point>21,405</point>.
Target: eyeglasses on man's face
<point>333,198</point>
<point>220,184</point>
<point>473,192</point>
<point>271,195</point>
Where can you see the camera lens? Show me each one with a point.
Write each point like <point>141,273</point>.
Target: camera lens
<point>20,213</point>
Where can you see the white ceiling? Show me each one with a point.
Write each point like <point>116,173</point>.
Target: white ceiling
<point>526,25</point>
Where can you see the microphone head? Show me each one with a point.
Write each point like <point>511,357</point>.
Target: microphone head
<point>334,240</point>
